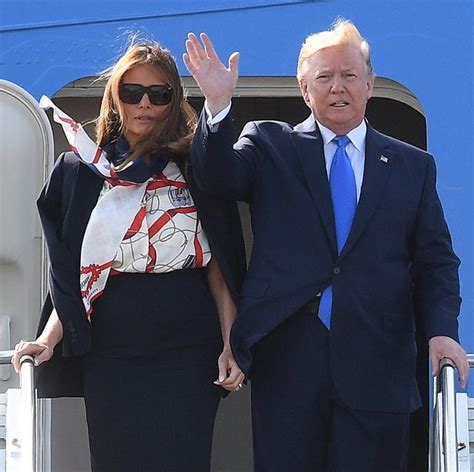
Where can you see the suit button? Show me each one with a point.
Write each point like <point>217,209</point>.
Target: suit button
<point>336,270</point>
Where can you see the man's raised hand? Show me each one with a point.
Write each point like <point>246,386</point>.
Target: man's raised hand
<point>216,81</point>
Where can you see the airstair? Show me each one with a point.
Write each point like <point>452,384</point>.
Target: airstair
<point>21,425</point>
<point>452,424</point>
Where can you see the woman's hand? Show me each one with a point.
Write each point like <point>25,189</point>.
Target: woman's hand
<point>230,375</point>
<point>41,352</point>
<point>42,349</point>
<point>216,81</point>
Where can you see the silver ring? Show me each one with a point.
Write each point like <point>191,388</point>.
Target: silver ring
<point>240,385</point>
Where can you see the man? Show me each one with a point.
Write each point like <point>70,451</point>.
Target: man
<point>349,235</point>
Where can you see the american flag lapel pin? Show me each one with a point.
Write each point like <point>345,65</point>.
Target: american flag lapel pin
<point>384,159</point>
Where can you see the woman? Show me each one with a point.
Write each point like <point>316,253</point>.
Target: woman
<point>143,267</point>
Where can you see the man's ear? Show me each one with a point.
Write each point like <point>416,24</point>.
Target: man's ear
<point>304,90</point>
<point>370,87</point>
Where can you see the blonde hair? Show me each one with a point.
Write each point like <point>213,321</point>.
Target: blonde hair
<point>342,32</point>
<point>176,132</point>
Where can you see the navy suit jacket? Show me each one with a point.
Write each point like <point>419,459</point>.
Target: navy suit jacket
<point>398,253</point>
<point>65,206</point>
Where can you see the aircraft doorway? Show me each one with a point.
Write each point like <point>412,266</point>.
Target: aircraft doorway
<point>393,110</point>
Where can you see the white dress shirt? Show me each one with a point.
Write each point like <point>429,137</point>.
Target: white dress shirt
<point>213,121</point>
<point>355,150</point>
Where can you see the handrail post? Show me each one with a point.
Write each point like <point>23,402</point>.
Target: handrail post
<point>28,421</point>
<point>434,431</point>
<point>28,410</point>
<point>449,433</point>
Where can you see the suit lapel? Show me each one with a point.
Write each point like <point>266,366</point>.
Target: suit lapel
<point>378,164</point>
<point>309,150</point>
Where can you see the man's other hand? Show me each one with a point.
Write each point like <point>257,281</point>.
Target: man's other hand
<point>443,346</point>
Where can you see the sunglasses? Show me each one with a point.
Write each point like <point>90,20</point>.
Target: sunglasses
<point>157,94</point>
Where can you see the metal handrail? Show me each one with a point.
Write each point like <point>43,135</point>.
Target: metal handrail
<point>449,433</point>
<point>443,435</point>
<point>6,357</point>
<point>27,442</point>
<point>470,360</point>
<point>443,431</point>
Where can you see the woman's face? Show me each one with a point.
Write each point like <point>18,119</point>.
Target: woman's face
<point>141,118</point>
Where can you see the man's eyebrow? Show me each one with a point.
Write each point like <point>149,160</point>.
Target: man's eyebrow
<point>322,69</point>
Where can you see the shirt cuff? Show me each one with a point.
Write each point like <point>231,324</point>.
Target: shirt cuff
<point>213,122</point>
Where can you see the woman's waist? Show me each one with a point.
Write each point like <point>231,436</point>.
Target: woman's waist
<point>155,311</point>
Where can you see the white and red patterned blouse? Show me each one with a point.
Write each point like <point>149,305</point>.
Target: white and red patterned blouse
<point>166,233</point>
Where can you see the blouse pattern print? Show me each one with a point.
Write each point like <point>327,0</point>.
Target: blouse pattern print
<point>166,233</point>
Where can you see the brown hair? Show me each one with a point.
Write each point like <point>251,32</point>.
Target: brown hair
<point>176,133</point>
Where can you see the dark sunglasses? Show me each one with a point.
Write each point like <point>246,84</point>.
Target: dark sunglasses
<point>157,94</point>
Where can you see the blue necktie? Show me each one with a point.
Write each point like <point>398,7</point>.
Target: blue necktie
<point>344,202</point>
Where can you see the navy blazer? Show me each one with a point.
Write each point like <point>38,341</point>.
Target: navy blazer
<point>65,206</point>
<point>398,253</point>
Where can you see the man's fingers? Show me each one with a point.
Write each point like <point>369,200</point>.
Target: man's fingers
<point>463,381</point>
<point>458,356</point>
<point>208,46</point>
<point>195,46</point>
<point>444,347</point>
<point>434,359</point>
<point>193,55</point>
<point>212,54</point>
<point>463,371</point>
<point>189,65</point>
<point>234,61</point>
<point>192,36</point>
<point>192,51</point>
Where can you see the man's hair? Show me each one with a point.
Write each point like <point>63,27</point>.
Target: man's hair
<point>342,32</point>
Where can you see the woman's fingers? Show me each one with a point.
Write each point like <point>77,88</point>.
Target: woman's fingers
<point>222,364</point>
<point>234,379</point>
<point>44,356</point>
<point>41,352</point>
<point>230,375</point>
<point>233,383</point>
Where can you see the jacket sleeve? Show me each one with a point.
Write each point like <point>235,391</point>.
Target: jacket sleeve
<point>64,267</point>
<point>222,168</point>
<point>220,219</point>
<point>435,265</point>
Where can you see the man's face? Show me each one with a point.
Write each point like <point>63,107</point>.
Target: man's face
<point>336,87</point>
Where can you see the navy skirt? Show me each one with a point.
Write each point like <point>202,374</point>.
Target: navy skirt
<point>148,382</point>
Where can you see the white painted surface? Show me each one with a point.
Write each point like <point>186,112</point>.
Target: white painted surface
<point>26,156</point>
